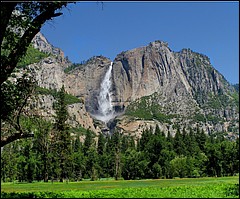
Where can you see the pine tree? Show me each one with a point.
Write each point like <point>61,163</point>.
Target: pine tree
<point>88,141</point>
<point>192,146</point>
<point>62,139</point>
<point>92,163</point>
<point>178,143</point>
<point>116,137</point>
<point>79,160</point>
<point>170,141</point>
<point>101,149</point>
<point>101,144</point>
<point>201,138</point>
<point>185,140</point>
<point>41,145</point>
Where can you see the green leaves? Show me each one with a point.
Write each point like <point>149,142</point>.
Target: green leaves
<point>15,94</point>
<point>33,55</point>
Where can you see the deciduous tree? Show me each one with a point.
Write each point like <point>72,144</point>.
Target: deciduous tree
<point>20,22</point>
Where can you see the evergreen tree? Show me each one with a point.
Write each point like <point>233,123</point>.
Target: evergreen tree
<point>79,160</point>
<point>185,141</point>
<point>92,163</point>
<point>101,144</point>
<point>62,138</point>
<point>116,137</point>
<point>228,151</point>
<point>170,141</point>
<point>88,141</point>
<point>77,145</point>
<point>109,157</point>
<point>127,142</point>
<point>144,140</point>
<point>214,163</point>
<point>9,162</point>
<point>236,156</point>
<point>192,146</point>
<point>178,143</point>
<point>101,149</point>
<point>41,145</point>
<point>200,138</point>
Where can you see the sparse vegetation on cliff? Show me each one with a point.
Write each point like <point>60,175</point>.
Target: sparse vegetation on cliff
<point>73,66</point>
<point>33,55</point>
<point>147,108</point>
<point>70,99</point>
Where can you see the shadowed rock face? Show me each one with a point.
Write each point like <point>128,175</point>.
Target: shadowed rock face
<point>182,83</point>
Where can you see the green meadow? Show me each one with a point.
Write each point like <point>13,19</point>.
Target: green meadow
<point>221,187</point>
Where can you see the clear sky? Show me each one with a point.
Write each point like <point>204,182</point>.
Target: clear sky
<point>89,28</point>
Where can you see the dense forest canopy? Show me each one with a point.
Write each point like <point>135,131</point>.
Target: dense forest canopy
<point>155,155</point>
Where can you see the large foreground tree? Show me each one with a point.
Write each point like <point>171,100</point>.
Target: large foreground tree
<point>20,22</point>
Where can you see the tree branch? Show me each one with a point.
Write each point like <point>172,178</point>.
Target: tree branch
<point>21,47</point>
<point>17,126</point>
<point>15,136</point>
<point>6,12</point>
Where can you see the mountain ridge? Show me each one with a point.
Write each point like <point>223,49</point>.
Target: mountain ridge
<point>185,83</point>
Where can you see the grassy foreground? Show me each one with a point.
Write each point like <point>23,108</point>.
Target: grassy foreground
<point>223,187</point>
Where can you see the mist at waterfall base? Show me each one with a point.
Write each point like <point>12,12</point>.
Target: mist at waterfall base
<point>105,108</point>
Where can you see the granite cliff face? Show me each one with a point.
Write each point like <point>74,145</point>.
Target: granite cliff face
<point>40,42</point>
<point>85,81</point>
<point>155,68</point>
<point>182,83</point>
<point>49,74</point>
<point>182,86</point>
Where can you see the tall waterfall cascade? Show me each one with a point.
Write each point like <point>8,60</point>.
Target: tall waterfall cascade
<point>105,107</point>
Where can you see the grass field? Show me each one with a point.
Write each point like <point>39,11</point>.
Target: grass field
<point>161,188</point>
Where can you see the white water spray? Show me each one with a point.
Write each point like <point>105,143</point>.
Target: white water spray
<point>106,111</point>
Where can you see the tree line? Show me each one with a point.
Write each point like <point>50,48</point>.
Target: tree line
<point>57,152</point>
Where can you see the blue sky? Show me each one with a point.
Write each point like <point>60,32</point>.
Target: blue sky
<point>90,28</point>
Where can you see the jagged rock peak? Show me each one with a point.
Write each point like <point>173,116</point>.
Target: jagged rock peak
<point>158,44</point>
<point>189,52</point>
<point>41,43</point>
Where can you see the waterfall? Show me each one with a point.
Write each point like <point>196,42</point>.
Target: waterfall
<point>105,108</point>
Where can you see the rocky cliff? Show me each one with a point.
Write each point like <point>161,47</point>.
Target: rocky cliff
<point>171,89</point>
<point>143,71</point>
<point>183,84</point>
<point>49,74</point>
